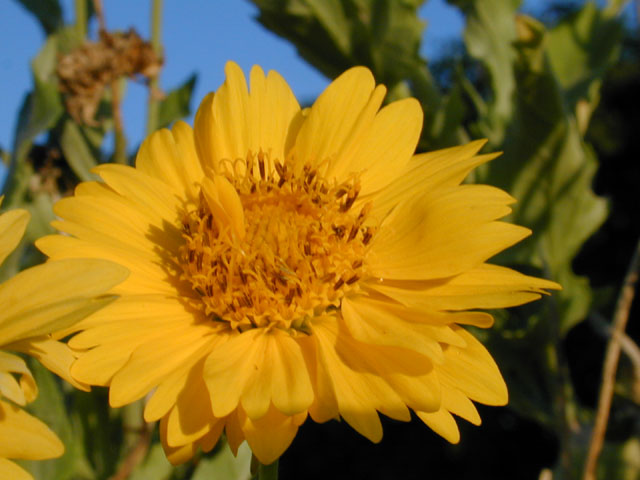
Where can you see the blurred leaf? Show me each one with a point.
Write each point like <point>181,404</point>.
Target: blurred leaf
<point>224,466</point>
<point>176,105</point>
<point>102,430</point>
<point>549,169</point>
<point>40,111</point>
<point>155,466</point>
<point>50,408</point>
<point>489,35</point>
<point>77,151</point>
<point>581,49</point>
<point>333,36</point>
<point>48,13</point>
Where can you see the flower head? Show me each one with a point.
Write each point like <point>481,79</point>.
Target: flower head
<point>32,304</point>
<point>288,263</point>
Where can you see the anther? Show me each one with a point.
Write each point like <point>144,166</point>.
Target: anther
<point>351,198</point>
<point>328,277</point>
<point>280,169</point>
<point>248,300</point>
<point>289,298</point>
<point>366,237</point>
<point>352,280</point>
<point>353,232</point>
<point>339,230</point>
<point>261,165</point>
<point>338,284</point>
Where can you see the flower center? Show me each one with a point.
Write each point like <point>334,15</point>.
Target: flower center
<point>301,249</point>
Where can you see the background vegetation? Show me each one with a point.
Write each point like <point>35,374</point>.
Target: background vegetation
<point>552,92</point>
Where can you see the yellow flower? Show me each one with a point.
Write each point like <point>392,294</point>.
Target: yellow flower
<point>32,304</point>
<point>289,262</point>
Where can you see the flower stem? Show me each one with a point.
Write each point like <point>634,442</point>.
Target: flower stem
<point>268,472</point>
<point>81,19</point>
<point>156,43</point>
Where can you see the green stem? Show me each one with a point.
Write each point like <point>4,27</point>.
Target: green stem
<point>120,148</point>
<point>81,19</point>
<point>156,43</point>
<point>268,472</point>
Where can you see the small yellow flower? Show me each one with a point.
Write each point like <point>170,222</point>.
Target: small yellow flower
<point>32,304</point>
<point>288,263</point>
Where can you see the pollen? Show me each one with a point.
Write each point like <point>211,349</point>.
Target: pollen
<point>282,247</point>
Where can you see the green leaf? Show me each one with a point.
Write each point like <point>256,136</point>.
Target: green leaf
<point>48,13</point>
<point>489,35</point>
<point>333,36</point>
<point>224,466</point>
<point>549,169</point>
<point>581,49</point>
<point>77,151</point>
<point>176,105</point>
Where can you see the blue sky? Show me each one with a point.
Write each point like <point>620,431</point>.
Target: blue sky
<point>198,36</point>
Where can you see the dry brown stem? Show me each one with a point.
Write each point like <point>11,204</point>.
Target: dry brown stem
<point>621,315</point>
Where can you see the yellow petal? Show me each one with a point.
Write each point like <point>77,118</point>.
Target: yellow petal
<point>153,360</point>
<point>269,436</point>
<point>8,469</point>
<point>324,406</point>
<point>20,393</point>
<point>175,455</point>
<point>282,378</point>
<point>173,385</point>
<point>335,118</point>
<point>225,205</point>
<point>191,167</point>
<point>191,418</point>
<point>160,157</point>
<point>152,197</point>
<point>98,365</point>
<point>145,278</point>
<point>258,367</point>
<point>271,98</point>
<point>429,171</point>
<point>472,371</point>
<point>441,235</point>
<point>203,126</point>
<point>458,403</point>
<point>55,295</point>
<point>221,132</point>
<point>104,224</point>
<point>442,423</point>
<point>358,388</point>
<point>371,322</point>
<point>25,437</point>
<point>54,355</point>
<point>385,148</point>
<point>233,431</point>
<point>12,227</point>
<point>486,286</point>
